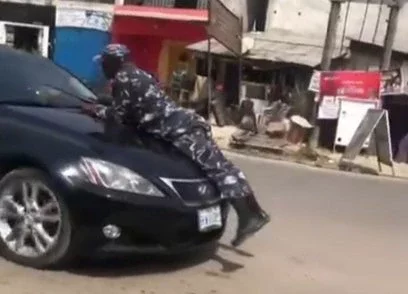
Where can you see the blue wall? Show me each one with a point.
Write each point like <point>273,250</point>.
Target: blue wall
<point>75,48</point>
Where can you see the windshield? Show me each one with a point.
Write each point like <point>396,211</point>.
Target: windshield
<point>31,80</point>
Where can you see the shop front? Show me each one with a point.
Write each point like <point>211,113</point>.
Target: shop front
<point>27,27</point>
<point>394,92</point>
<point>158,36</point>
<point>81,33</point>
<point>346,96</point>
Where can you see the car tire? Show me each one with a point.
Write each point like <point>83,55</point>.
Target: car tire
<point>61,250</point>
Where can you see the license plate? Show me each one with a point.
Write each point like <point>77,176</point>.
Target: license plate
<point>209,219</point>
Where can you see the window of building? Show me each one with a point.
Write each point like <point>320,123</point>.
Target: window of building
<point>188,4</point>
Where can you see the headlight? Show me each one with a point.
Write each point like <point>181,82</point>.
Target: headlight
<point>110,175</point>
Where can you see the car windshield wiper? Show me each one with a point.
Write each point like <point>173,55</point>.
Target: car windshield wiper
<point>83,99</point>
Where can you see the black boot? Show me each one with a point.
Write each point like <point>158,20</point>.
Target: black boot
<point>251,218</point>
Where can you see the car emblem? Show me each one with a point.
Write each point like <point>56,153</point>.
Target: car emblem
<point>202,189</point>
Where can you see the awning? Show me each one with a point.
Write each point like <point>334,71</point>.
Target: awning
<point>277,46</point>
<point>165,13</point>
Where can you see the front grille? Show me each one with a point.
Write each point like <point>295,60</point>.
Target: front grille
<point>193,191</point>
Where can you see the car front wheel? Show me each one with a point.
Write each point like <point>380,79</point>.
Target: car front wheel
<point>35,225</point>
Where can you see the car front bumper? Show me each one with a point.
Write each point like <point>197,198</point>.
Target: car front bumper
<point>148,224</point>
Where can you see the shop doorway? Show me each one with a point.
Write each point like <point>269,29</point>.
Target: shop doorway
<point>25,38</point>
<point>171,55</point>
<point>31,38</point>
<point>397,106</point>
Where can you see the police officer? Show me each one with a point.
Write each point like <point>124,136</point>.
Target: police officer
<point>138,101</point>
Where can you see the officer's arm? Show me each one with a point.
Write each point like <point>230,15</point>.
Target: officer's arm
<point>101,111</point>
<point>101,107</point>
<point>121,106</point>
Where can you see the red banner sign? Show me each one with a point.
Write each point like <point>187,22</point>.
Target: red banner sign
<point>350,84</point>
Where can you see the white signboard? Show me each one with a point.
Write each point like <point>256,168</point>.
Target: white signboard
<point>82,18</point>
<point>314,85</point>
<point>351,114</point>
<point>329,108</point>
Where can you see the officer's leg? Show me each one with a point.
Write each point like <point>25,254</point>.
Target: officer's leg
<point>231,182</point>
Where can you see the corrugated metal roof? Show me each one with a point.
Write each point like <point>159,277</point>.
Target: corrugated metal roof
<point>278,46</point>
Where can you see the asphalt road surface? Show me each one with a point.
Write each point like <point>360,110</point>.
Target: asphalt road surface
<point>331,233</point>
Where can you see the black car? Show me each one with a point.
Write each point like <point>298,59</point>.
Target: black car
<point>71,185</point>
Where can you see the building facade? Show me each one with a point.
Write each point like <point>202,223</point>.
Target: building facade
<point>360,21</point>
<point>28,26</point>
<point>157,31</point>
<point>81,31</point>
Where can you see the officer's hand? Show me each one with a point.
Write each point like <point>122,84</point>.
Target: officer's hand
<point>89,109</point>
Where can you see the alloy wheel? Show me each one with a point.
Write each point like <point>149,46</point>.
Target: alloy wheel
<point>30,218</point>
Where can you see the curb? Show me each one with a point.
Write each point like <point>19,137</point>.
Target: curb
<point>282,156</point>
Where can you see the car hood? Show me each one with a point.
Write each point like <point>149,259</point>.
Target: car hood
<point>140,152</point>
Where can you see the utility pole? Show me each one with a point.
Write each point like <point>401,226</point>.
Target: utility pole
<point>390,36</point>
<point>328,49</point>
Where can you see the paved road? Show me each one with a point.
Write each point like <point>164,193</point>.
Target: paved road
<point>331,233</point>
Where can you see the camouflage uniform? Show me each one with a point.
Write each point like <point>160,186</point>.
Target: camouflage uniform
<point>138,101</point>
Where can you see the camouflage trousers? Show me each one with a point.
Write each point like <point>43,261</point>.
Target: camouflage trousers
<point>201,149</point>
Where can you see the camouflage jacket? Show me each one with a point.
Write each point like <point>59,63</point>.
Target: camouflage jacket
<point>138,101</point>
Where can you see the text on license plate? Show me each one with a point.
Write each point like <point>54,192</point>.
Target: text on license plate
<point>209,219</point>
